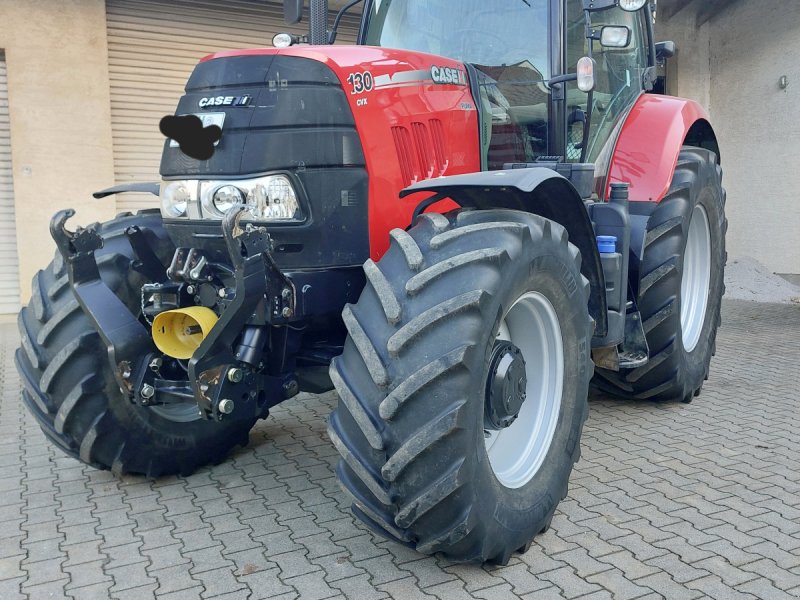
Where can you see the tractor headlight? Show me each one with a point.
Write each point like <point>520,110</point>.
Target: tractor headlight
<point>273,199</point>
<point>175,198</point>
<point>270,198</point>
<point>226,197</point>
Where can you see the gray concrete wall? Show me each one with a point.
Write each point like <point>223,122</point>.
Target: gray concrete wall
<point>732,65</point>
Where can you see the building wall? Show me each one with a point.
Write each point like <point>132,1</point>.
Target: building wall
<point>754,43</point>
<point>60,117</point>
<point>732,64</point>
<point>687,72</point>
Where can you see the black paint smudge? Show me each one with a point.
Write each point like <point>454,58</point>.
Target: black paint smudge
<point>195,140</point>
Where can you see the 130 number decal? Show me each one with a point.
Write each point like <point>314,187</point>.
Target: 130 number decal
<point>361,82</point>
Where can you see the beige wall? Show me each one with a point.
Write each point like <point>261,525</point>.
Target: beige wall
<point>732,65</point>
<point>754,43</point>
<point>687,72</point>
<point>57,60</point>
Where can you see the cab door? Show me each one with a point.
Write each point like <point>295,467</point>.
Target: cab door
<point>619,76</point>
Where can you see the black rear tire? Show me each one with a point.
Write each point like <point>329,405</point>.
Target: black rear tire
<point>69,387</point>
<point>412,381</point>
<point>673,372</point>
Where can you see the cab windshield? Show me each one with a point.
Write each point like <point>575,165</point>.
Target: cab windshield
<point>505,40</point>
<point>495,33</point>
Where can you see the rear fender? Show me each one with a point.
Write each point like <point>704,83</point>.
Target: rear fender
<point>537,190</point>
<point>650,141</point>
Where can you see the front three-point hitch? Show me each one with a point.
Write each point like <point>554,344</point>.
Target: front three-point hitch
<point>213,359</point>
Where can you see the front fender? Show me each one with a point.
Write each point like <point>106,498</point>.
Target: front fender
<point>649,143</point>
<point>536,190</point>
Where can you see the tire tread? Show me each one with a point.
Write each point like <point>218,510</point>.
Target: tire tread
<point>659,287</point>
<point>68,385</point>
<point>386,380</point>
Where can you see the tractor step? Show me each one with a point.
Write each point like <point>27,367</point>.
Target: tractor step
<point>632,353</point>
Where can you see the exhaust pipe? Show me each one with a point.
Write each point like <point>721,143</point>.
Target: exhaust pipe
<point>178,333</point>
<point>318,25</point>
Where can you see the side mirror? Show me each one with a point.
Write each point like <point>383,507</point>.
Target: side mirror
<point>665,50</point>
<point>615,36</point>
<point>293,11</point>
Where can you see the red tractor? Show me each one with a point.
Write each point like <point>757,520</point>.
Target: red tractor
<point>458,223</point>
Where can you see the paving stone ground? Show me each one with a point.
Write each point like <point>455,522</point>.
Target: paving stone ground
<point>668,500</point>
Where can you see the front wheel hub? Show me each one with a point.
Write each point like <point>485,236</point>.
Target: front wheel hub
<point>505,387</point>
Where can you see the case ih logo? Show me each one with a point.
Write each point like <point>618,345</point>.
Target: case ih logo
<point>448,75</point>
<point>224,101</point>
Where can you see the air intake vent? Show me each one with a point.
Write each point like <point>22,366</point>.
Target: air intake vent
<point>424,151</point>
<point>437,136</point>
<point>421,152</point>
<point>405,154</point>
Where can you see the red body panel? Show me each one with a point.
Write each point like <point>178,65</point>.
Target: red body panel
<point>411,127</point>
<point>649,143</point>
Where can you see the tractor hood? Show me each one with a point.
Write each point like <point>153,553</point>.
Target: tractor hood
<point>276,112</point>
<point>334,118</point>
<point>304,107</point>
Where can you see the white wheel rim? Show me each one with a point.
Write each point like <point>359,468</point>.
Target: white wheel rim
<point>696,278</point>
<point>517,452</point>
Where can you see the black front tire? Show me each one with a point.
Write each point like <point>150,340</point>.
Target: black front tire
<point>412,380</point>
<point>673,371</point>
<point>69,387</point>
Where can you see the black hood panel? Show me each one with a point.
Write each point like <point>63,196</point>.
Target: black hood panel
<point>295,116</point>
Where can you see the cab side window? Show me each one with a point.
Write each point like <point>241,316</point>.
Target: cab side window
<point>618,76</point>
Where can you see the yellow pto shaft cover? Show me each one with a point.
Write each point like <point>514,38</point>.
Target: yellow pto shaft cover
<point>178,333</point>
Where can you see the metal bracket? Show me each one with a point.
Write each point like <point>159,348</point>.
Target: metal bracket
<point>263,296</point>
<point>147,263</point>
<point>189,265</point>
<point>126,339</point>
<point>252,242</point>
<point>632,353</point>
